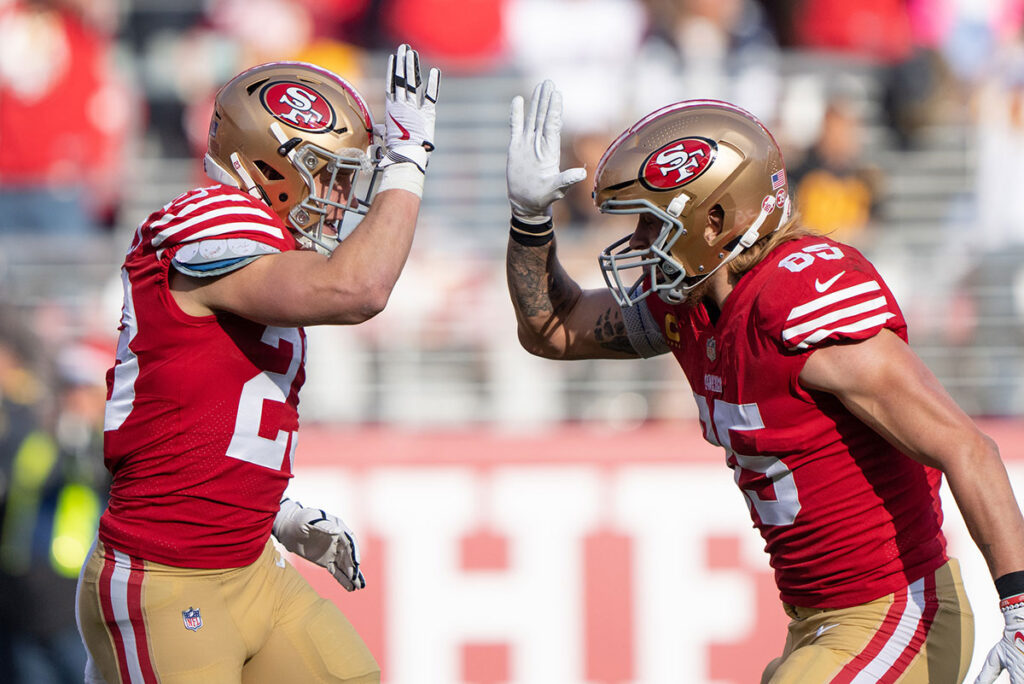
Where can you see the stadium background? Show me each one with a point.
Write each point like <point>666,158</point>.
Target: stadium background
<point>522,521</point>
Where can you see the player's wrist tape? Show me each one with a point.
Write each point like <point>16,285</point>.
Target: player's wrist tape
<point>1011,586</point>
<point>402,176</point>
<point>531,234</point>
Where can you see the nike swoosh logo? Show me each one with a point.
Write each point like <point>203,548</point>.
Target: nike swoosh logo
<point>822,286</point>
<point>405,132</point>
<point>823,629</point>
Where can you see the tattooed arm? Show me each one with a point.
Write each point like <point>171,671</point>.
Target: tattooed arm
<point>557,318</point>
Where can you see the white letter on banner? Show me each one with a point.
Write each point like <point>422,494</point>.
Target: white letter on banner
<point>670,511</point>
<point>435,607</point>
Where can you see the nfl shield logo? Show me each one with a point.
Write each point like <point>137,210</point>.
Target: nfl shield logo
<point>192,619</point>
<point>712,353</point>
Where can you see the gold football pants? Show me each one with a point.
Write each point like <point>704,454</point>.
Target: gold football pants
<point>144,622</point>
<point>922,634</point>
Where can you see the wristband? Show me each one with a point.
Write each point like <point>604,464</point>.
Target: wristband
<point>531,234</point>
<point>1008,605</point>
<point>1010,585</point>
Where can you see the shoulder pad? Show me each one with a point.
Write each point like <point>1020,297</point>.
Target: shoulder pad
<point>218,256</point>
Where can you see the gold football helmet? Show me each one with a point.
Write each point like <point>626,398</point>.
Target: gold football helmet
<point>300,138</point>
<point>677,164</point>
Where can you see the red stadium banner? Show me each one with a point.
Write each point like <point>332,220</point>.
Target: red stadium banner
<point>570,554</point>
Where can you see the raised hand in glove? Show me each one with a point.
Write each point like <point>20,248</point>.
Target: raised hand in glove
<point>1008,654</point>
<point>409,114</point>
<point>321,538</point>
<point>534,151</point>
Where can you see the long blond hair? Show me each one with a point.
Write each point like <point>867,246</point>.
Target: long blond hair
<point>752,256</point>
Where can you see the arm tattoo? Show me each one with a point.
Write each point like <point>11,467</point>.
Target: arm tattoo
<point>539,286</point>
<point>610,332</point>
<point>527,276</point>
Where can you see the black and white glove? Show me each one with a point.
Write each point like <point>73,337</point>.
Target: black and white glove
<point>409,114</point>
<point>321,538</point>
<point>1008,654</point>
<point>534,152</point>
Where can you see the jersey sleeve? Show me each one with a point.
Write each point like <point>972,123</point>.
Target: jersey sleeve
<point>823,292</point>
<point>217,216</point>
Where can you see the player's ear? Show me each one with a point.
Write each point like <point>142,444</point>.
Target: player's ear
<point>714,226</point>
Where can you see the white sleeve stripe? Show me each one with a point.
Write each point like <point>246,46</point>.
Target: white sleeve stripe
<point>222,228</point>
<point>857,326</point>
<point>191,206</point>
<point>831,317</point>
<point>161,222</point>
<point>216,199</point>
<point>206,216</point>
<point>837,296</point>
<point>159,238</point>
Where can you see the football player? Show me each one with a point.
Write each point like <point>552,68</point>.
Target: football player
<point>796,352</point>
<point>184,583</point>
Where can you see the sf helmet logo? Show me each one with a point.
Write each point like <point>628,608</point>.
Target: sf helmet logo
<point>677,163</point>
<point>299,106</point>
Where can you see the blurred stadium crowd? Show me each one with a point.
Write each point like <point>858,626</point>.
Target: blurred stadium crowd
<point>902,122</point>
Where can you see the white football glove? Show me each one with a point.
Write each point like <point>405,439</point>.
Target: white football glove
<point>534,152</point>
<point>1008,654</point>
<point>321,538</point>
<point>409,114</point>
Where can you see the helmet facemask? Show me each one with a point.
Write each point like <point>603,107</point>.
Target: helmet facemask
<point>656,263</point>
<point>341,186</point>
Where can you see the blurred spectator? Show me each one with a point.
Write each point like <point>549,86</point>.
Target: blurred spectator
<point>65,114</point>
<point>20,392</point>
<point>190,57</point>
<point>968,33</point>
<point>459,36</point>
<point>878,29</point>
<point>993,244</point>
<point>707,49</point>
<point>836,190</point>
<point>156,41</point>
<point>781,17</point>
<point>49,510</point>
<point>592,63</point>
<point>355,22</point>
<point>901,38</point>
<point>918,92</point>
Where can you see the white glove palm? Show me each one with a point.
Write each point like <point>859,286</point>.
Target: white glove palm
<point>409,114</point>
<point>1008,654</point>
<point>321,538</point>
<point>534,152</point>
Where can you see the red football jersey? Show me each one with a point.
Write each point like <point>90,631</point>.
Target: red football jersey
<point>846,518</point>
<point>202,412</point>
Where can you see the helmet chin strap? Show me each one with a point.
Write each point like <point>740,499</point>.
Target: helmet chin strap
<point>676,295</point>
<point>284,140</point>
<point>219,174</point>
